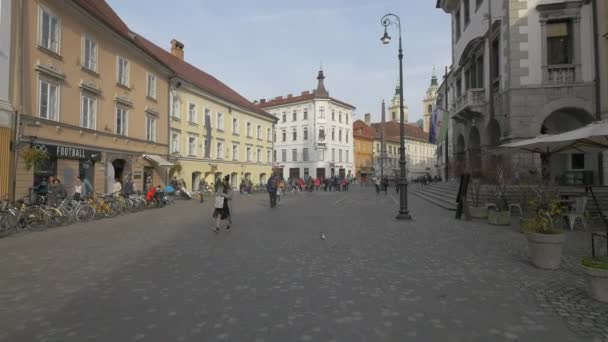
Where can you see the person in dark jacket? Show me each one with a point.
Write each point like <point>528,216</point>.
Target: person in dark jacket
<point>272,187</point>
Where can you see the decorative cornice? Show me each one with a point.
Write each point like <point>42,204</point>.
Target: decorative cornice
<point>124,100</point>
<point>152,110</point>
<point>89,86</point>
<point>50,70</point>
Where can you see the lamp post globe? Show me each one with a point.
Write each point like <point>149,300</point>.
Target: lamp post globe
<point>404,214</point>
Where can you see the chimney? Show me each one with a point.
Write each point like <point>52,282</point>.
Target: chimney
<point>263,101</point>
<point>289,96</point>
<point>368,118</point>
<point>177,49</point>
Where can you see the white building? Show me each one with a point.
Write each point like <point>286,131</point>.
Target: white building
<point>520,69</point>
<point>313,136</point>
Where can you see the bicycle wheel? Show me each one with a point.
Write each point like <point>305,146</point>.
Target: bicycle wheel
<point>84,213</point>
<point>56,217</point>
<point>6,225</point>
<point>36,219</point>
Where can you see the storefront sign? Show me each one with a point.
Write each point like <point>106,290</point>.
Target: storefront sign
<point>66,152</point>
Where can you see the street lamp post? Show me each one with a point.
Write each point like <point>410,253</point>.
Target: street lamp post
<point>404,213</point>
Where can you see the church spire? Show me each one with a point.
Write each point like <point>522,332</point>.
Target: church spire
<point>321,91</point>
<point>434,82</point>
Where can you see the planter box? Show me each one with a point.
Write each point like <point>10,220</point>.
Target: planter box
<point>597,283</point>
<point>478,212</point>
<point>499,218</point>
<point>545,249</point>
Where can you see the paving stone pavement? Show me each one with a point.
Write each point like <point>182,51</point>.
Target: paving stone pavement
<point>163,275</point>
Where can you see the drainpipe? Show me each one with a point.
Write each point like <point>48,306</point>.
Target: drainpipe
<point>598,105</point>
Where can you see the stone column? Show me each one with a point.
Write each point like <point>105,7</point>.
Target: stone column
<point>576,49</point>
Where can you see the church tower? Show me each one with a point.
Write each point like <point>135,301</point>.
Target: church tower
<point>429,101</point>
<point>393,110</point>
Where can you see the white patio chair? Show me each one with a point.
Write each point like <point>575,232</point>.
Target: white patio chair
<point>576,210</point>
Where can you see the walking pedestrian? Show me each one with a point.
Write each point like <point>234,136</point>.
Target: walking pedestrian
<point>223,213</point>
<point>385,185</point>
<point>273,187</point>
<point>128,190</point>
<point>202,185</point>
<point>377,184</point>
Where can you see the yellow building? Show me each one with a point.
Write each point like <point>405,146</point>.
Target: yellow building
<point>92,99</point>
<point>214,131</point>
<point>363,146</point>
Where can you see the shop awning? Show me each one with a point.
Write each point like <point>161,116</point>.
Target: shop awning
<point>158,160</point>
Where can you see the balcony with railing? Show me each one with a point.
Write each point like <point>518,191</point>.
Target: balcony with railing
<point>471,103</point>
<point>561,74</point>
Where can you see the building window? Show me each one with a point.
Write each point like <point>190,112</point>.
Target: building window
<point>248,153</point>
<point>347,135</point>
<point>340,117</point>
<point>151,89</point>
<point>284,155</point>
<point>346,118</point>
<point>220,150</point>
<point>467,12</point>
<point>559,42</point>
<point>259,132</point>
<point>333,134</point>
<point>192,113</point>
<point>284,135</point>
<point>340,156</point>
<point>294,135</point>
<point>122,116</point>
<point>268,156</point>
<point>457,24</point>
<point>220,121</point>
<point>346,156</point>
<point>305,114</point>
<point>175,106</point>
<point>87,112</point>
<point>333,154</point>
<point>305,133</point>
<point>192,146</point>
<point>174,142</point>
<point>123,71</point>
<point>259,155</point>
<point>578,161</point>
<point>235,152</point>
<point>294,116</point>
<point>340,135</point>
<point>207,118</point>
<point>150,129</point>
<point>269,134</point>
<point>235,126</point>
<point>284,117</point>
<point>294,155</point>
<point>321,134</point>
<point>274,155</point>
<point>305,154</point>
<point>89,54</point>
<point>48,100</point>
<point>478,4</point>
<point>333,115</point>
<point>206,147</point>
<point>322,112</point>
<point>321,155</point>
<point>49,30</point>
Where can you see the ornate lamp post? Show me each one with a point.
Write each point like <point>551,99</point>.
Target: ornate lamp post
<point>404,214</point>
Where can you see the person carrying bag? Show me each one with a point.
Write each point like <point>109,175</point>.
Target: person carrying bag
<point>222,209</point>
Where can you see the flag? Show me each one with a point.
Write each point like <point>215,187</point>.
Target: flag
<point>443,116</point>
<point>433,126</point>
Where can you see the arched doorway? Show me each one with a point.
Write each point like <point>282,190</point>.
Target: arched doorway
<point>262,178</point>
<point>475,152</point>
<point>196,178</point>
<point>569,169</point>
<point>234,178</point>
<point>460,162</point>
<point>119,168</point>
<point>248,176</point>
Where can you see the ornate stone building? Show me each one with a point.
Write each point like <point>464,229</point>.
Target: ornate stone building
<point>393,109</point>
<point>428,102</point>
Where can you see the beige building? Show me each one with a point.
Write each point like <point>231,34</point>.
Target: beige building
<point>93,100</point>
<point>7,112</point>
<point>214,131</point>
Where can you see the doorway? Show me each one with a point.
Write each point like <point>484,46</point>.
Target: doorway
<point>119,168</point>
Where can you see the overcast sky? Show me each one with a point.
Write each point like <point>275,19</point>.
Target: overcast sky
<point>267,48</point>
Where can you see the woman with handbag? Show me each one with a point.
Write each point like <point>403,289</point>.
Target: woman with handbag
<point>222,210</point>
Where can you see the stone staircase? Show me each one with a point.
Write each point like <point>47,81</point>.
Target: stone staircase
<point>441,194</point>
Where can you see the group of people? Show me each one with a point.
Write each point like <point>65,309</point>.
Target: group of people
<point>335,183</point>
<point>54,191</point>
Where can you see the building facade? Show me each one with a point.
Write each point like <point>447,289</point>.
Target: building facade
<point>7,112</point>
<point>313,134</point>
<point>520,69</point>
<point>363,145</point>
<point>214,131</point>
<point>94,101</point>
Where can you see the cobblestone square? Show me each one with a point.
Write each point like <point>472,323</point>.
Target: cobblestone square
<point>163,275</point>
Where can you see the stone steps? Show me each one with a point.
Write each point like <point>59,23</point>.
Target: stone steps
<point>442,195</point>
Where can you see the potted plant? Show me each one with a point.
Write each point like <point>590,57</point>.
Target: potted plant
<point>33,157</point>
<point>477,209</point>
<point>596,272</point>
<point>545,242</point>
